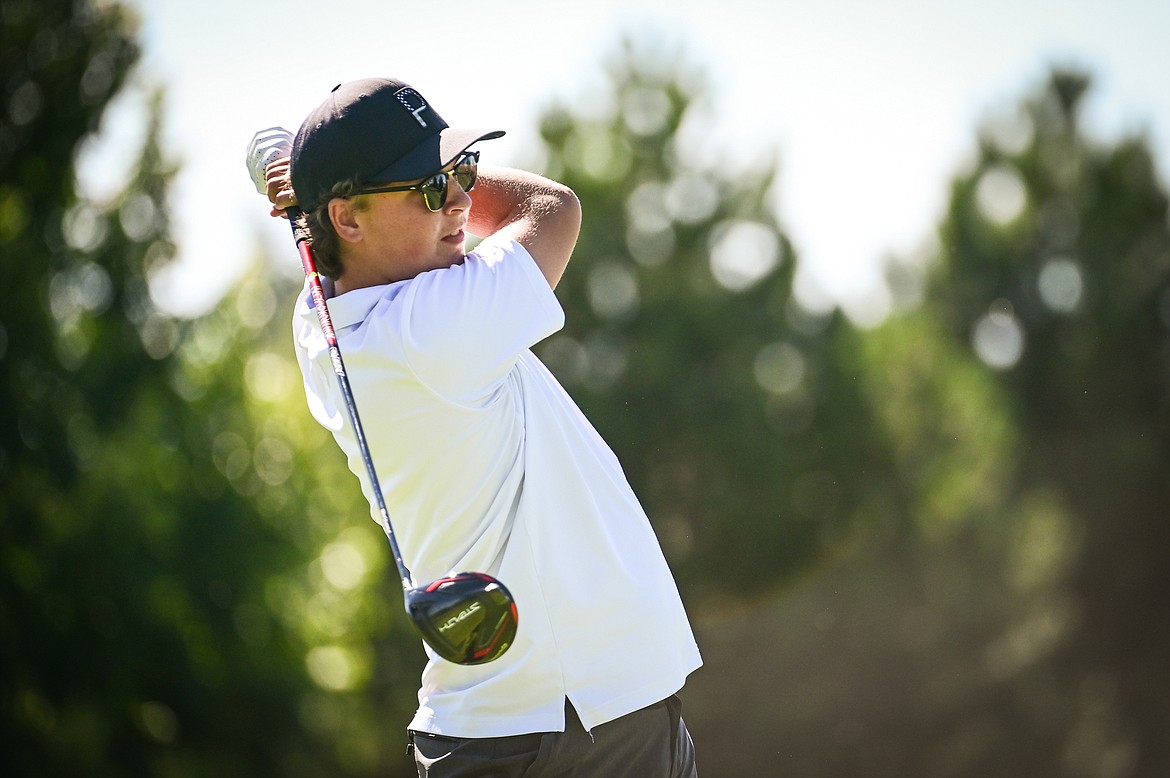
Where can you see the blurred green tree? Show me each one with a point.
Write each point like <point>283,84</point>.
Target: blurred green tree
<point>189,584</point>
<point>735,410</point>
<point>186,587</point>
<point>1055,269</point>
<point>1001,611</point>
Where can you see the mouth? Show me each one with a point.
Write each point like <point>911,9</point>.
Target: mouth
<point>457,236</point>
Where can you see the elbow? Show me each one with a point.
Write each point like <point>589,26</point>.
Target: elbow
<point>567,207</point>
<point>554,212</point>
<point>566,203</point>
<point>555,233</point>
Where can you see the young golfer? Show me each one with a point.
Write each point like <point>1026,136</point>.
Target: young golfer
<point>485,461</point>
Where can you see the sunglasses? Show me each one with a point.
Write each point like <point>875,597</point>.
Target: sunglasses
<point>434,188</point>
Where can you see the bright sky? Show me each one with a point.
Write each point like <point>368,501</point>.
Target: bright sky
<point>872,106</point>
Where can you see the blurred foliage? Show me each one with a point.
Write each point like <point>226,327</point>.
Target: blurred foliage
<point>930,548</point>
<point>180,584</point>
<point>1006,616</point>
<point>735,411</point>
<point>1055,271</point>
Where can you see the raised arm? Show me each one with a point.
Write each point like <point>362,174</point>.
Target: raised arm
<point>539,214</point>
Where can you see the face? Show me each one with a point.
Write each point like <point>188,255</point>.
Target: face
<point>392,236</point>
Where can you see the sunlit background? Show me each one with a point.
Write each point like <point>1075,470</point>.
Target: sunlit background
<point>868,107</point>
<point>929,543</point>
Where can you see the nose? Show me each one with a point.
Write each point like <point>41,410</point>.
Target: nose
<point>457,198</point>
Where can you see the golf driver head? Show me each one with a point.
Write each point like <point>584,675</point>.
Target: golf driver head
<point>467,618</point>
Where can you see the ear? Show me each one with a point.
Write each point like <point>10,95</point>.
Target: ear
<point>344,218</point>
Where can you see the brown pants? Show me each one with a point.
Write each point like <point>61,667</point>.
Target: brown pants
<point>649,743</point>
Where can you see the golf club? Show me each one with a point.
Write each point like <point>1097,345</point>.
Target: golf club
<point>467,618</point>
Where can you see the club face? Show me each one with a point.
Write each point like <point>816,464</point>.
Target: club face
<point>468,619</point>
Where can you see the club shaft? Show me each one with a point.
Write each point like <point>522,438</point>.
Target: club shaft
<point>304,242</point>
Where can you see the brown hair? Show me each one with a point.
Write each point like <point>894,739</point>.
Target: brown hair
<point>326,244</point>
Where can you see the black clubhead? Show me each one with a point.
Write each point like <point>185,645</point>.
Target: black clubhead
<point>468,618</point>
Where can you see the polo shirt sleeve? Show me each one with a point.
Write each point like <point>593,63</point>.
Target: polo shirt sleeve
<point>463,327</point>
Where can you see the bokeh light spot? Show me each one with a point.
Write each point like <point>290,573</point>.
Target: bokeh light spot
<point>779,367</point>
<point>612,290</point>
<point>1000,194</point>
<point>742,254</point>
<point>998,338</point>
<point>1061,285</point>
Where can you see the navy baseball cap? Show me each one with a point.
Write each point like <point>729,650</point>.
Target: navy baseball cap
<point>377,131</point>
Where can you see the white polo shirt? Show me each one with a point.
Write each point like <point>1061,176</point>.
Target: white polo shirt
<point>487,465</point>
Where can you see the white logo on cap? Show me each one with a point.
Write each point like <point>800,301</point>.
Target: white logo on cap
<point>402,95</point>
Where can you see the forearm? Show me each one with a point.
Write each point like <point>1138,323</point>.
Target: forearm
<point>540,214</point>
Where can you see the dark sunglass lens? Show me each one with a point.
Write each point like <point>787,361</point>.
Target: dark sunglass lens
<point>465,172</point>
<point>434,191</point>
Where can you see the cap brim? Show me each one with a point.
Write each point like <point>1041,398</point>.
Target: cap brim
<point>432,155</point>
